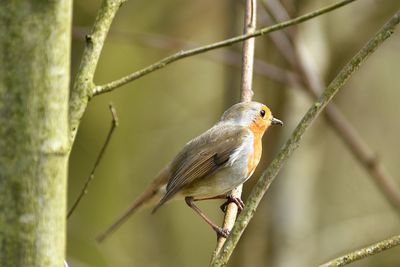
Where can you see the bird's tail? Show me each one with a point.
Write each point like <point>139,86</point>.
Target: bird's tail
<point>152,194</point>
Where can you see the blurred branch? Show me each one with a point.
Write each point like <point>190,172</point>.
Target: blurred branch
<point>100,89</point>
<point>228,57</point>
<point>290,146</point>
<point>83,85</point>
<point>280,39</point>
<point>312,84</point>
<point>246,94</point>
<point>366,157</point>
<point>114,124</point>
<point>364,252</point>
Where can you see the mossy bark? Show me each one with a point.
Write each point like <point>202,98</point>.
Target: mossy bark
<point>34,85</point>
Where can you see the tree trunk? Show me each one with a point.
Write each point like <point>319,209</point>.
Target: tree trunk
<point>34,85</point>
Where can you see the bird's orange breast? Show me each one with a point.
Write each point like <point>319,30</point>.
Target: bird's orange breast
<point>258,129</point>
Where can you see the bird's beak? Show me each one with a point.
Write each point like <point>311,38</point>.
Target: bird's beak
<point>275,121</point>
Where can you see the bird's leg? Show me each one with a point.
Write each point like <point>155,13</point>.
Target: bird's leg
<point>239,203</point>
<point>229,199</point>
<point>220,231</point>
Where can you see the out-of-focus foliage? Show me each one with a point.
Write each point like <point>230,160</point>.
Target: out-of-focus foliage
<point>323,203</point>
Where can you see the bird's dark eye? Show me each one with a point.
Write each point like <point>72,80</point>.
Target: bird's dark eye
<point>262,113</point>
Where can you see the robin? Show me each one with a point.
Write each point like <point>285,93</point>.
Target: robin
<point>210,165</point>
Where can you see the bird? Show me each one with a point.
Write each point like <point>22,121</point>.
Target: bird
<point>210,165</point>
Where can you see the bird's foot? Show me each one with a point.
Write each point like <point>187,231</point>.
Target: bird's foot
<point>221,232</point>
<point>239,203</point>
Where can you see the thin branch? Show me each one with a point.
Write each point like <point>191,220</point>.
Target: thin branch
<point>246,94</point>
<point>100,89</point>
<point>313,85</point>
<point>83,84</point>
<point>228,57</point>
<point>114,124</point>
<point>290,146</point>
<point>364,252</point>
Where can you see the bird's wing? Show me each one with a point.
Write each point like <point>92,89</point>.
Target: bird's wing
<point>203,156</point>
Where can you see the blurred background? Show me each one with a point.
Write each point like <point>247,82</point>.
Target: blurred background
<point>322,204</point>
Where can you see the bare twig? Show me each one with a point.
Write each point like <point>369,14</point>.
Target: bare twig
<point>83,85</point>
<point>290,146</point>
<point>246,94</point>
<point>313,84</point>
<point>114,124</point>
<point>100,89</point>
<point>228,57</point>
<point>364,252</point>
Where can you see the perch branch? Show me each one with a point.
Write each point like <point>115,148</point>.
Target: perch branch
<point>83,85</point>
<point>100,89</point>
<point>246,94</point>
<point>364,252</point>
<point>114,124</point>
<point>290,146</point>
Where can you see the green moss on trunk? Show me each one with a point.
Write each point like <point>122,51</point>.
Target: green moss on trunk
<point>34,85</point>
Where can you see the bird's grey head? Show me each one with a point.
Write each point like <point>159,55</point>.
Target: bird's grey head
<point>246,113</point>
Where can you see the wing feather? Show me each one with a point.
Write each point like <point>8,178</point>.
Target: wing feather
<point>203,156</point>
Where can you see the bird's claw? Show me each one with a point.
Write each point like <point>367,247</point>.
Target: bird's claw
<point>221,232</point>
<point>239,203</point>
